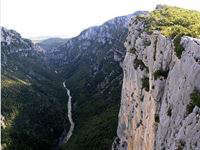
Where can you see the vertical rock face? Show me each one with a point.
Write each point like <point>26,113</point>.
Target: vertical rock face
<point>155,108</point>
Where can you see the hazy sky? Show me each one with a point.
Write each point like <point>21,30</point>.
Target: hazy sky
<point>34,18</point>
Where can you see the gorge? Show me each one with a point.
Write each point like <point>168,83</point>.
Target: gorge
<point>132,83</point>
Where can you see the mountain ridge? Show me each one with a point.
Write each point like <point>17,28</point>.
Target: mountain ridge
<point>130,80</point>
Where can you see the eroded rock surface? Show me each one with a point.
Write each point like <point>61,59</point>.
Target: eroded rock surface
<point>156,92</point>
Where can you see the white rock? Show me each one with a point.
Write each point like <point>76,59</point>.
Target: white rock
<point>158,118</point>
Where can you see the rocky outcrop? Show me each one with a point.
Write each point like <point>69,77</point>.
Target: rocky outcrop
<point>110,35</point>
<point>155,108</point>
<point>12,43</point>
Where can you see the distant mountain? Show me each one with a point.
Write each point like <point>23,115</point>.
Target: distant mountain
<point>40,38</point>
<point>51,43</point>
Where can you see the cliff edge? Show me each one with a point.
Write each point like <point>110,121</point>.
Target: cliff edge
<point>160,102</point>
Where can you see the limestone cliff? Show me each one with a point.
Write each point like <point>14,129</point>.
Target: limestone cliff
<point>157,111</point>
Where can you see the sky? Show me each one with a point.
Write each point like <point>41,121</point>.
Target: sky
<point>67,18</point>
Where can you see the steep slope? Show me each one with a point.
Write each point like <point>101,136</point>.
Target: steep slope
<point>34,103</point>
<point>51,43</point>
<point>90,63</point>
<point>160,103</point>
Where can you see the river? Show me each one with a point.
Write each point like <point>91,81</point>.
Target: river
<point>66,135</point>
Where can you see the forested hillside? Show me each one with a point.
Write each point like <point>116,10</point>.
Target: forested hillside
<point>34,103</point>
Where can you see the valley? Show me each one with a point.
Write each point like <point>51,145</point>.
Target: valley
<point>33,100</point>
<point>132,83</point>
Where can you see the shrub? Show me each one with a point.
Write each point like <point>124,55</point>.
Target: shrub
<point>181,145</point>
<point>145,83</point>
<point>132,50</point>
<point>195,101</point>
<point>195,97</point>
<point>139,63</point>
<point>178,47</point>
<point>174,22</point>
<point>159,73</point>
<point>157,118</point>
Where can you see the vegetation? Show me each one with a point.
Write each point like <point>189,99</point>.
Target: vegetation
<point>96,110</point>
<point>96,97</point>
<point>94,80</point>
<point>195,97</point>
<point>174,22</point>
<point>159,73</point>
<point>195,101</point>
<point>157,118</point>
<point>181,145</point>
<point>139,63</point>
<point>145,83</point>
<point>33,104</point>
<point>97,131</point>
<point>132,50</point>
<point>178,47</point>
